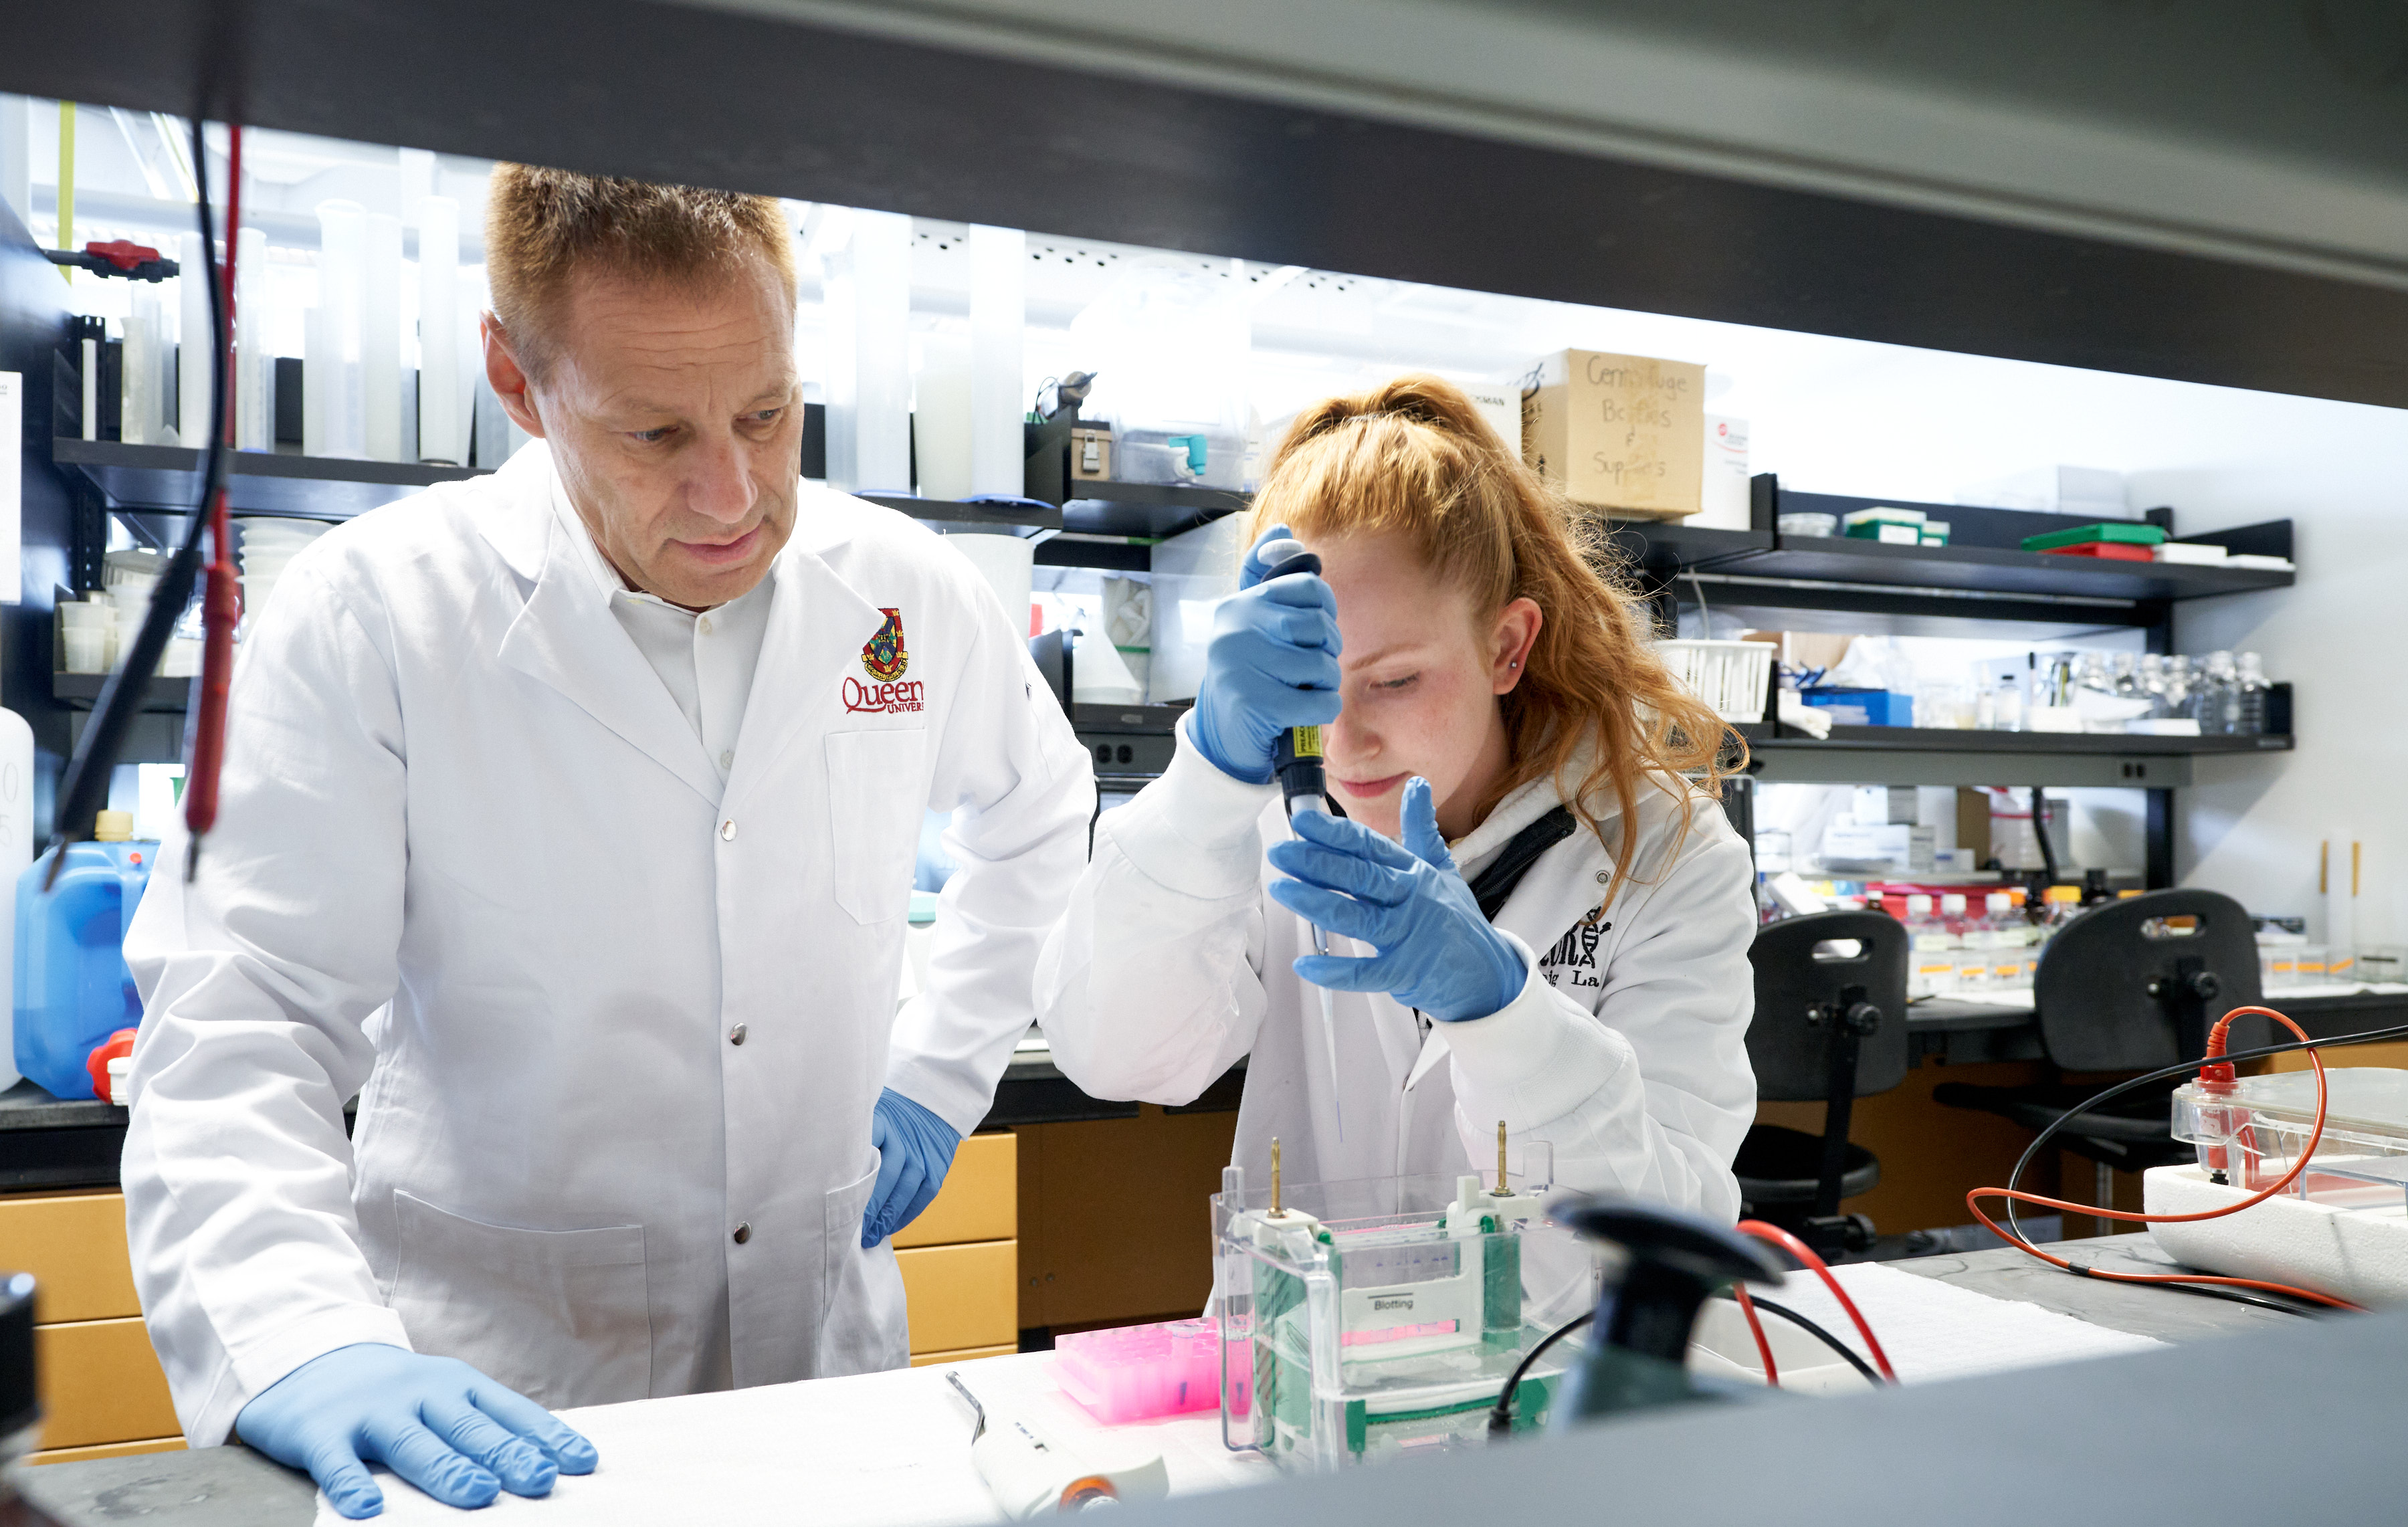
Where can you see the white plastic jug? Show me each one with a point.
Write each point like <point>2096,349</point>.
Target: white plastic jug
<point>16,852</point>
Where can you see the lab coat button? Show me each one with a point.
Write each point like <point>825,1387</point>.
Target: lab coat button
<point>728,758</point>
<point>735,1034</point>
<point>744,1232</point>
<point>727,831</point>
<point>706,625</point>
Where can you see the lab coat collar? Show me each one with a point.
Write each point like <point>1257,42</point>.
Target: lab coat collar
<point>1525,805</point>
<point>817,627</point>
<point>519,525</point>
<point>567,639</point>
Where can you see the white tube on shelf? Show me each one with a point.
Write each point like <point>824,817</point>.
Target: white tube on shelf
<point>941,417</point>
<point>16,852</point>
<point>869,363</point>
<point>138,402</point>
<point>1006,562</point>
<point>999,317</point>
<point>381,337</point>
<point>2341,906</point>
<point>467,313</point>
<point>439,418</point>
<point>254,368</point>
<point>318,365</point>
<point>91,377</point>
<point>343,270</point>
<point>193,423</point>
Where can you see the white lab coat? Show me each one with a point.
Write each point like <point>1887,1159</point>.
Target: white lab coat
<point>1625,1050</point>
<point>454,786</point>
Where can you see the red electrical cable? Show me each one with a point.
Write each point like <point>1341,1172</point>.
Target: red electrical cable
<point>221,596</point>
<point>1755,1329</point>
<point>2211,1070</point>
<point>1805,1254</point>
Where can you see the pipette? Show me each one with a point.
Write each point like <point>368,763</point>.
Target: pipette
<point>1296,759</point>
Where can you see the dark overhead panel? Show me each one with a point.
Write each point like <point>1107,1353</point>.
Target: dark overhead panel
<point>661,90</point>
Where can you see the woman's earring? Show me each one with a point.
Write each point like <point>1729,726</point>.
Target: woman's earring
<point>1517,662</point>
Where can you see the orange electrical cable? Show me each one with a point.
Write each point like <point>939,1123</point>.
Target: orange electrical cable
<point>2215,1042</point>
<point>1755,1329</point>
<point>1806,1255</point>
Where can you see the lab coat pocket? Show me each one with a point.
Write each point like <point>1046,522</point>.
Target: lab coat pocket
<point>863,1328</point>
<point>876,796</point>
<point>561,1316</point>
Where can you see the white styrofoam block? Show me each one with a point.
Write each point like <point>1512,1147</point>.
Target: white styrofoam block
<point>2355,1253</point>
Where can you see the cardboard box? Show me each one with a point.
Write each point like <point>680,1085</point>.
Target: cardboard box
<point>1620,432</point>
<point>1725,495</point>
<point>1500,403</point>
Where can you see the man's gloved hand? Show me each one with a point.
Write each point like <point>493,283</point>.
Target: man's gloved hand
<point>1272,665</point>
<point>434,1420</point>
<point>1435,952</point>
<point>915,1148</point>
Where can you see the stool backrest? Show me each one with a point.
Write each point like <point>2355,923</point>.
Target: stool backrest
<point>2098,1011</point>
<point>1792,1054</point>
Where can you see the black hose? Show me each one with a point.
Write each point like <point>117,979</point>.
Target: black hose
<point>85,789</point>
<point>1834,1343</point>
<point>1500,1419</point>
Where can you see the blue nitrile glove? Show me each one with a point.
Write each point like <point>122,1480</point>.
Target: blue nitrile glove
<point>916,1148</point>
<point>434,1420</point>
<point>1272,665</point>
<point>1435,952</point>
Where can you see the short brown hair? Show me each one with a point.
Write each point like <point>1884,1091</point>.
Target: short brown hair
<point>543,225</point>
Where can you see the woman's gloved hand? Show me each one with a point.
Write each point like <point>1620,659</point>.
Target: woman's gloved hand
<point>1272,665</point>
<point>1435,952</point>
<point>434,1420</point>
<point>915,1150</point>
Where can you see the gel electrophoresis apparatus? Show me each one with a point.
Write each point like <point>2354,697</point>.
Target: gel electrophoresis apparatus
<point>1361,1320</point>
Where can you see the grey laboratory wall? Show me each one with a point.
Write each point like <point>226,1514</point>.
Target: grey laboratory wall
<point>2251,826</point>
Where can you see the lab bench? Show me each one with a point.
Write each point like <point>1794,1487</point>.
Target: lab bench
<point>229,1485</point>
<point>1006,1244</point>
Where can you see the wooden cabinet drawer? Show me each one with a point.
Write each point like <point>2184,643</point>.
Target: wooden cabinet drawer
<point>101,1383</point>
<point>980,1200</point>
<point>929,1359</point>
<point>962,1296</point>
<point>74,1244</point>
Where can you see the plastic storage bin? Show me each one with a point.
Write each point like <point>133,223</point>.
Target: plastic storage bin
<point>1372,1318</point>
<point>73,989</point>
<point>1862,708</point>
<point>1732,677</point>
<point>1135,1373</point>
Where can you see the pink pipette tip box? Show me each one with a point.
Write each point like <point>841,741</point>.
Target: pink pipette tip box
<point>1136,1373</point>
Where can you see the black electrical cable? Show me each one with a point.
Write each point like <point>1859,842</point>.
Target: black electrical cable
<point>2050,1130</point>
<point>1500,1419</point>
<point>85,789</point>
<point>1834,1343</point>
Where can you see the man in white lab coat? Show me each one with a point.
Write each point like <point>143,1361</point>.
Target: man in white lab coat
<point>568,820</point>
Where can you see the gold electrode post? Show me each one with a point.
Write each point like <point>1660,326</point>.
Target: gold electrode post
<point>1502,1189</point>
<point>1277,1212</point>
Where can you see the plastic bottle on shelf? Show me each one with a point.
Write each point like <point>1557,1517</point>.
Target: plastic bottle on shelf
<point>1931,953</point>
<point>2123,672</point>
<point>1970,941</point>
<point>2216,696</point>
<point>2178,686</point>
<point>2249,713</point>
<point>2004,929</point>
<point>2153,684</point>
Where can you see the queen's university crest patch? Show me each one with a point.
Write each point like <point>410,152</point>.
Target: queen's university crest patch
<point>884,656</point>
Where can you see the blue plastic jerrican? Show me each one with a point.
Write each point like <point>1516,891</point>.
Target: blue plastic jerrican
<point>73,989</point>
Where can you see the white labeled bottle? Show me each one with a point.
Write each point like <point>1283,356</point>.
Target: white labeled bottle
<point>1931,953</point>
<point>2005,928</point>
<point>1973,945</point>
<point>2250,713</point>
